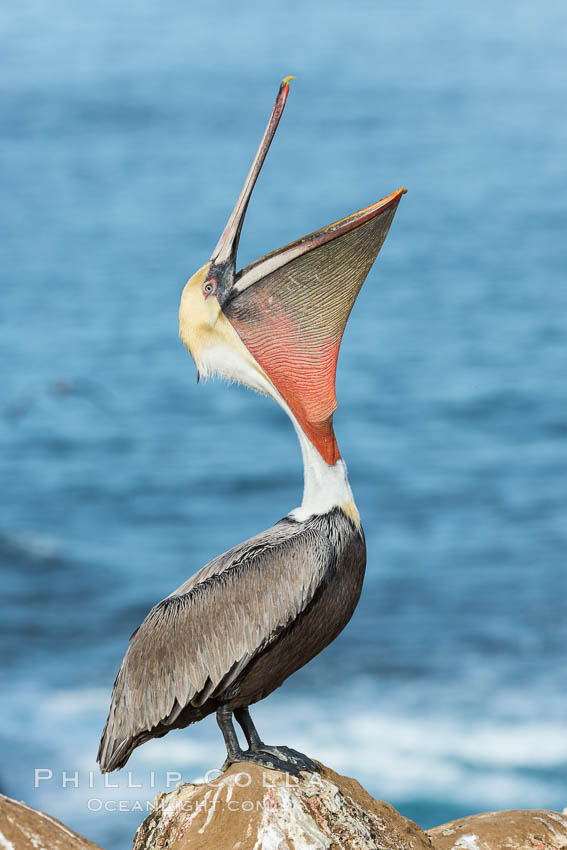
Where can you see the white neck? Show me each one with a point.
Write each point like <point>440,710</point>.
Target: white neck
<point>325,487</point>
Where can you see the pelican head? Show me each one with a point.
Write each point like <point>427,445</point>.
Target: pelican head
<point>276,325</point>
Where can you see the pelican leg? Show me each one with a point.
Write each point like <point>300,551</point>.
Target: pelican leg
<point>256,745</point>
<point>250,731</point>
<point>224,719</point>
<point>235,754</point>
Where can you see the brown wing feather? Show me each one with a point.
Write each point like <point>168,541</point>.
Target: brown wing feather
<point>198,639</point>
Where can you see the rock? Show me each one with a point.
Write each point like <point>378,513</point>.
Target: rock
<point>535,829</point>
<point>22,828</point>
<point>247,808</point>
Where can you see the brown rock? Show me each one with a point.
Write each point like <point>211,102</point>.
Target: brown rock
<point>247,808</point>
<point>536,829</point>
<point>22,828</point>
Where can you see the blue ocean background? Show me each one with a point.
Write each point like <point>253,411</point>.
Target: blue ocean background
<point>125,134</point>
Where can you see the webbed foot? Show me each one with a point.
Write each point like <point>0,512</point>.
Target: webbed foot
<point>264,758</point>
<point>288,756</point>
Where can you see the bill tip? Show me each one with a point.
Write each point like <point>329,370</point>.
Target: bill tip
<point>287,80</point>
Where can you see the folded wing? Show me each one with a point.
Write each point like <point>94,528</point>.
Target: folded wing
<point>194,643</point>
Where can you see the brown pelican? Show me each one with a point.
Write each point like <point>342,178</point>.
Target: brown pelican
<point>234,631</point>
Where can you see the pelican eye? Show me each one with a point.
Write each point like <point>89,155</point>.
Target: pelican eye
<point>209,287</point>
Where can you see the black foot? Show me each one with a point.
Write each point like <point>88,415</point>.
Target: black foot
<point>264,759</point>
<point>289,757</point>
<point>274,758</point>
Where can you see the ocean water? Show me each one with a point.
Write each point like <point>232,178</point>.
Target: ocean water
<point>125,134</point>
